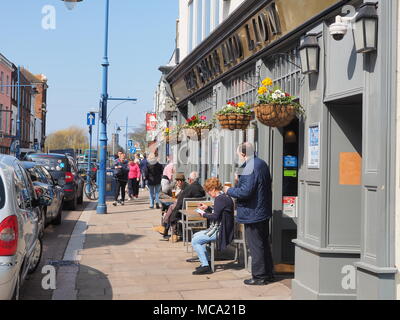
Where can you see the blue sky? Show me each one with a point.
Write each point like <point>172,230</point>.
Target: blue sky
<point>142,37</point>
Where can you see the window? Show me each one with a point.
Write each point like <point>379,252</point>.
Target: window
<point>21,191</point>
<point>243,88</point>
<point>191,22</point>
<point>7,84</point>
<point>199,26</point>
<point>207,17</point>
<point>1,117</point>
<point>216,13</point>
<point>2,82</point>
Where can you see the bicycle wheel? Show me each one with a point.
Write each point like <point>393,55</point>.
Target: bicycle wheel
<point>91,191</point>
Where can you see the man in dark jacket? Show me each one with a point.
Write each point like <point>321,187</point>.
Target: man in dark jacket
<point>193,190</point>
<point>254,209</point>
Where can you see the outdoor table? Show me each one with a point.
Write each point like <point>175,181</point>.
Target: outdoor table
<point>190,216</point>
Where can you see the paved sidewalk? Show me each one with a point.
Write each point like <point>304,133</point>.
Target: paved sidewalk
<point>123,258</point>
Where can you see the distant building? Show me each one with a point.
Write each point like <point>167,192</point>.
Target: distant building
<point>6,69</point>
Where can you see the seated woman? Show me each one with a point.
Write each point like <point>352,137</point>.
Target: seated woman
<point>221,219</point>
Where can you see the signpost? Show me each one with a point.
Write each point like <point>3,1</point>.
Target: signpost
<point>91,121</point>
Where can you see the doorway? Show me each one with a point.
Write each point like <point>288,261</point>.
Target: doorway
<point>345,173</point>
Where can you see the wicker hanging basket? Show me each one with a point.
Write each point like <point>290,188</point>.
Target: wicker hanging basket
<point>233,121</point>
<point>275,115</point>
<point>196,133</point>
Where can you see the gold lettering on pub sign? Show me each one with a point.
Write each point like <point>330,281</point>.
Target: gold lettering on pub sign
<point>258,32</point>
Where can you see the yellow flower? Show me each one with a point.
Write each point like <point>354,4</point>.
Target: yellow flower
<point>241,104</point>
<point>267,82</point>
<point>262,90</point>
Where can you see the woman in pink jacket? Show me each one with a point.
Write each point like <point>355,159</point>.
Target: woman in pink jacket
<point>133,179</point>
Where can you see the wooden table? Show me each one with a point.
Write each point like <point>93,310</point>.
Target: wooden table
<point>190,216</point>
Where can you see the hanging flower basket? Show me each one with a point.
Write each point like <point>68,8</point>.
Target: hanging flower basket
<point>235,116</point>
<point>275,115</point>
<point>196,128</point>
<point>276,108</point>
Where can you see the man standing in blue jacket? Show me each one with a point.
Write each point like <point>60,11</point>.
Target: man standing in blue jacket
<point>254,209</point>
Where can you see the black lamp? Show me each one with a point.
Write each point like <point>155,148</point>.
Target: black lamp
<point>309,54</point>
<point>366,28</point>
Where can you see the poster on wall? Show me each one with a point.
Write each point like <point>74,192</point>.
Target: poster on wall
<point>314,146</point>
<point>151,122</point>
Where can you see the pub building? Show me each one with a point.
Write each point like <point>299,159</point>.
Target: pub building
<point>333,168</point>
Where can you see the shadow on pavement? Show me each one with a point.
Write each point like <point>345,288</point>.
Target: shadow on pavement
<point>93,284</point>
<point>109,239</point>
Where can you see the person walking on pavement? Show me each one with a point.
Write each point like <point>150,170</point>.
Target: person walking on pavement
<point>121,171</point>
<point>166,181</point>
<point>134,178</point>
<point>143,166</point>
<point>254,209</point>
<point>153,174</point>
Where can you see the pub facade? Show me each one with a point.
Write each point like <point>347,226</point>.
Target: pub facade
<point>333,168</point>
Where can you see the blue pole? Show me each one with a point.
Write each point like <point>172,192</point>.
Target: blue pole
<point>101,205</point>
<point>18,146</point>
<point>90,157</point>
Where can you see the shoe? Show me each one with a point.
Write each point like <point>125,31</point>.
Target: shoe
<point>130,199</point>
<point>209,264</point>
<point>115,203</point>
<point>122,203</point>
<point>174,238</point>
<point>202,270</point>
<point>151,207</point>
<point>255,282</point>
<point>165,238</point>
<point>157,206</point>
<point>159,229</point>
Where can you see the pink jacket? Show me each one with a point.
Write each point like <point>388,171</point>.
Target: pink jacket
<point>134,171</point>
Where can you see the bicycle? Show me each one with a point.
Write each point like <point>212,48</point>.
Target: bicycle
<point>91,189</point>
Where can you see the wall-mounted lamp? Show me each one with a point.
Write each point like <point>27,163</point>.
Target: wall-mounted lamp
<point>309,54</point>
<point>366,28</point>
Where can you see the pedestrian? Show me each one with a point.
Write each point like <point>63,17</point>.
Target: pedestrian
<point>220,230</point>
<point>153,174</point>
<point>166,181</point>
<point>134,178</point>
<point>121,172</point>
<point>143,167</point>
<point>254,210</point>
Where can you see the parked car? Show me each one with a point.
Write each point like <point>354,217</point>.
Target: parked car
<point>20,242</point>
<point>41,178</point>
<point>64,171</point>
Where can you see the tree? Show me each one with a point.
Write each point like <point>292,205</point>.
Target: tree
<point>70,138</point>
<point>139,136</point>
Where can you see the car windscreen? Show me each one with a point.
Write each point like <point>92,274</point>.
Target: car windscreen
<point>51,163</point>
<point>2,194</point>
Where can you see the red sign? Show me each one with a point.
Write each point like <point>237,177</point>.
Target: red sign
<point>151,122</point>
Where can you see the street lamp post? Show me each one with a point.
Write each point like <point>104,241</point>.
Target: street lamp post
<point>101,205</point>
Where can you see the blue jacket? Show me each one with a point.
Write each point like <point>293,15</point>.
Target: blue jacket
<point>253,192</point>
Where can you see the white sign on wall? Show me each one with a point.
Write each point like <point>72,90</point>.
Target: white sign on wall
<point>314,146</point>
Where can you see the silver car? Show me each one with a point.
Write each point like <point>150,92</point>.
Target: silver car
<point>20,244</point>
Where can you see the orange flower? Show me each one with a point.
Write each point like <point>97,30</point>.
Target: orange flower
<point>262,90</point>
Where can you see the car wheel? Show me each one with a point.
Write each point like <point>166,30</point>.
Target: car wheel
<point>58,219</point>
<point>17,288</point>
<point>36,256</point>
<point>80,199</point>
<point>73,203</point>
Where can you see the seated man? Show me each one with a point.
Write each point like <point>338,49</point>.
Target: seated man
<point>168,207</point>
<point>193,190</point>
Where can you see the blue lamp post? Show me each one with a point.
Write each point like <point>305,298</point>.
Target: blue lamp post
<point>101,205</point>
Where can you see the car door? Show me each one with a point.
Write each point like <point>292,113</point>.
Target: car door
<point>27,215</point>
<point>57,191</point>
<point>77,178</point>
